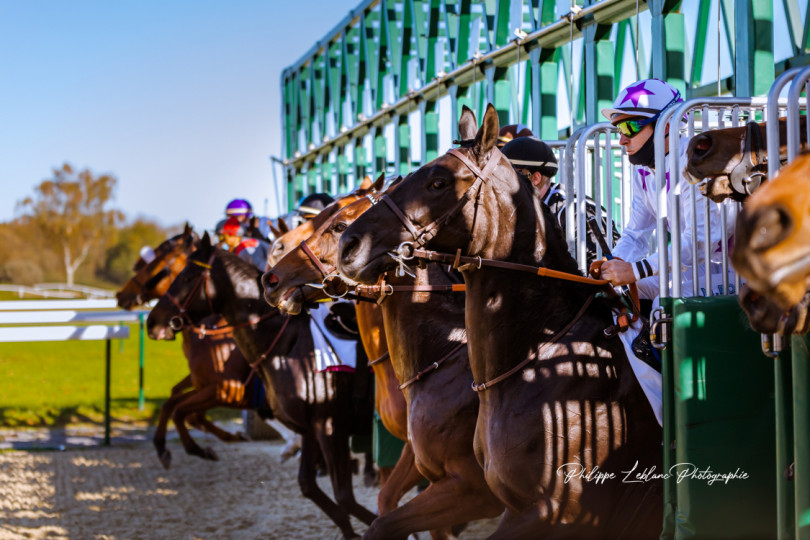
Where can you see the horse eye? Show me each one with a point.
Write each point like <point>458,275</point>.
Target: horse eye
<point>438,184</point>
<point>339,227</point>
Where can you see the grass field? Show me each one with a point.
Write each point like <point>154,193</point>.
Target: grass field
<point>58,383</point>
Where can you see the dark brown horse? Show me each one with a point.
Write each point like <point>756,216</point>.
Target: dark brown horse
<point>733,161</point>
<point>317,405</point>
<point>560,407</point>
<point>425,331</point>
<point>217,370</point>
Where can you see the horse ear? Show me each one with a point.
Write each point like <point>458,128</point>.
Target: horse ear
<point>366,183</point>
<point>378,184</point>
<point>488,134</point>
<point>467,126</point>
<point>275,230</point>
<point>205,243</point>
<point>282,226</point>
<point>187,229</point>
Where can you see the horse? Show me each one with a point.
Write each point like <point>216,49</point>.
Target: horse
<point>317,405</point>
<point>425,330</point>
<point>389,401</point>
<point>771,250</point>
<point>563,424</point>
<point>733,161</point>
<point>217,369</point>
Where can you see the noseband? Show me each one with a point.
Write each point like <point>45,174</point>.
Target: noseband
<point>747,175</point>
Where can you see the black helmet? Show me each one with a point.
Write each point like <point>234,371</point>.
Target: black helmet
<point>531,153</point>
<point>311,205</point>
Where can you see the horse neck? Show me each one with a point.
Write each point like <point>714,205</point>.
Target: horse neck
<point>508,312</point>
<point>421,327</point>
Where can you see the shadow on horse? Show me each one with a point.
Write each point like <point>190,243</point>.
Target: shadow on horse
<point>559,401</point>
<point>317,405</point>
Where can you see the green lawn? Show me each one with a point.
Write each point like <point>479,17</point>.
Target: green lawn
<point>56,383</point>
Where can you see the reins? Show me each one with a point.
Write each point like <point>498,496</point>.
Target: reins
<point>432,367</point>
<point>255,364</point>
<point>492,382</point>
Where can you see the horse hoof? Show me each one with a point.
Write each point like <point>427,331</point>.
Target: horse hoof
<point>370,479</point>
<point>240,437</point>
<point>165,458</point>
<point>208,453</point>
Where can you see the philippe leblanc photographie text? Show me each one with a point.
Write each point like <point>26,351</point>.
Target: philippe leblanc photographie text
<point>679,471</point>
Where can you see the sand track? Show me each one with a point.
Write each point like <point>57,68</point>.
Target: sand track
<point>123,492</point>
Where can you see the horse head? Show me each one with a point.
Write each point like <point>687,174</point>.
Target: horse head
<point>191,296</point>
<point>287,240</point>
<point>152,277</point>
<point>732,161</point>
<point>771,249</point>
<point>308,272</point>
<point>450,203</point>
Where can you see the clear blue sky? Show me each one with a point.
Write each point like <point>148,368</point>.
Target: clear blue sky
<point>179,99</point>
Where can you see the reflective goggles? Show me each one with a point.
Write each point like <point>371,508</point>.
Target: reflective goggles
<point>633,126</point>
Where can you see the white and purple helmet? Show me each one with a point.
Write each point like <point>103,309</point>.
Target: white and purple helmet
<point>239,207</point>
<point>645,98</point>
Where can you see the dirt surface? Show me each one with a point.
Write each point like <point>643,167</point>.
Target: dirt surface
<point>123,492</point>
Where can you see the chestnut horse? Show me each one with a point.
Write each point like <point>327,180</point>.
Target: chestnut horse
<point>389,401</point>
<point>772,250</point>
<point>562,422</point>
<point>425,330</point>
<point>217,368</point>
<point>317,405</point>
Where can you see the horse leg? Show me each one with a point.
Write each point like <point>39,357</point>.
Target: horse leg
<point>403,477</point>
<point>182,386</point>
<point>336,453</point>
<point>459,497</point>
<point>208,426</point>
<point>159,438</point>
<point>199,401</point>
<point>310,489</point>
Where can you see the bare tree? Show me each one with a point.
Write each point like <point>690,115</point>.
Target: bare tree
<point>69,210</point>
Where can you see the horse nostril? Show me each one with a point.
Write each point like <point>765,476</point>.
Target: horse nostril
<point>270,281</point>
<point>703,143</point>
<point>348,246</point>
<point>771,226</point>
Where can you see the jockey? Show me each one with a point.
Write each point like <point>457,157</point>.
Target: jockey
<point>635,113</point>
<point>535,161</point>
<point>254,226</point>
<point>252,250</point>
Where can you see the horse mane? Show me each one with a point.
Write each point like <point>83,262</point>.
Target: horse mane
<point>238,267</point>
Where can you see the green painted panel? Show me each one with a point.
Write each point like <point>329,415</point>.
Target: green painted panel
<point>724,407</point>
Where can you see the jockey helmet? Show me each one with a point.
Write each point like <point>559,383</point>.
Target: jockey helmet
<point>239,207</point>
<point>645,98</point>
<point>232,227</point>
<point>512,131</point>
<point>531,153</point>
<point>311,205</point>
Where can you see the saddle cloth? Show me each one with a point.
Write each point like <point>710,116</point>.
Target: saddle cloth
<point>648,378</point>
<point>331,352</point>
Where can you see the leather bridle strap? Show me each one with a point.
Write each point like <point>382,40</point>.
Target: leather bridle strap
<point>492,382</point>
<point>325,271</point>
<point>456,260</point>
<point>432,367</point>
<point>386,289</point>
<point>202,331</point>
<point>746,176</point>
<point>425,234</point>
<point>200,284</point>
<point>381,359</point>
<point>255,365</point>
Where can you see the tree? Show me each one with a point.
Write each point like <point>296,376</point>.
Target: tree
<point>122,254</point>
<point>69,211</point>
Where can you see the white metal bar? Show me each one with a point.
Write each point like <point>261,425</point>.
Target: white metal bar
<point>62,333</point>
<point>46,317</point>
<point>26,305</point>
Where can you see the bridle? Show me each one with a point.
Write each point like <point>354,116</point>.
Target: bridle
<point>423,235</point>
<point>177,322</point>
<point>747,175</point>
<point>151,283</point>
